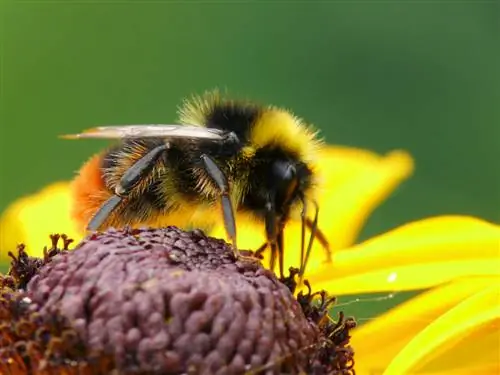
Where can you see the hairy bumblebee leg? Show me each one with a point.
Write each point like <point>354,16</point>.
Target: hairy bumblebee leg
<point>103,213</point>
<point>320,236</point>
<point>140,169</point>
<point>135,173</point>
<point>220,179</point>
<point>314,227</point>
<point>227,210</point>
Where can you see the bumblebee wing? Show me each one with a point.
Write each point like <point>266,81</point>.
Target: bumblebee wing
<point>150,130</point>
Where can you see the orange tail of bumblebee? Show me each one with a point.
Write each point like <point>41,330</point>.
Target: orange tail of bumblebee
<point>88,191</point>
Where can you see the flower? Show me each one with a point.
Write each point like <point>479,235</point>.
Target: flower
<point>450,328</point>
<point>161,301</point>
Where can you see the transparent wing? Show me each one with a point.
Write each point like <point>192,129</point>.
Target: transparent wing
<point>150,130</point>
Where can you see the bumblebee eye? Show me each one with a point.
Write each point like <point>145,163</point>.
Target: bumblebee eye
<point>284,172</point>
<point>284,183</point>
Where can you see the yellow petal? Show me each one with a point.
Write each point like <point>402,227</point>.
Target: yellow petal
<point>477,353</point>
<point>404,278</point>
<point>30,220</point>
<point>480,312</point>
<point>378,341</point>
<point>347,199</point>
<point>418,255</point>
<point>354,182</point>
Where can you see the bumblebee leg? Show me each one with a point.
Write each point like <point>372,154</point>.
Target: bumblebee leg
<point>276,249</point>
<point>220,179</point>
<point>314,227</point>
<point>281,253</point>
<point>103,213</point>
<point>303,216</point>
<point>320,236</point>
<point>274,238</point>
<point>261,249</point>
<point>139,170</point>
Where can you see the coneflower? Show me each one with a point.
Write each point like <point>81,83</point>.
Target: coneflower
<point>162,301</point>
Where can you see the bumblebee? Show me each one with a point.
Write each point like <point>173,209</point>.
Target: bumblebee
<point>236,156</point>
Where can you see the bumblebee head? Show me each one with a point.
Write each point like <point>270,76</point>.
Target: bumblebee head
<point>278,180</point>
<point>289,180</point>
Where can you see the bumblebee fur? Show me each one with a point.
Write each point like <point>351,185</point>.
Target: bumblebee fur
<point>271,142</point>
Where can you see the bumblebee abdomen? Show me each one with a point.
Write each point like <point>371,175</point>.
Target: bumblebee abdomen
<point>150,208</point>
<point>174,193</point>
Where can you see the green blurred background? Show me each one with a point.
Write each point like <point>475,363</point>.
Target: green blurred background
<point>422,76</point>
